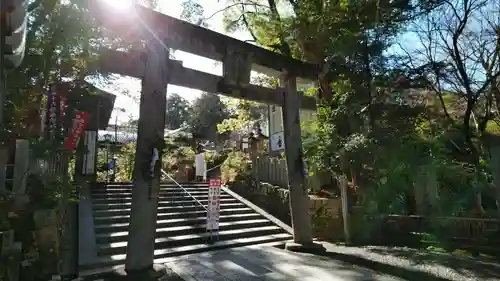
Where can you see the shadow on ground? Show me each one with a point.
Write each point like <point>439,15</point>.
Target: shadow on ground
<point>380,267</point>
<point>412,264</point>
<point>483,269</point>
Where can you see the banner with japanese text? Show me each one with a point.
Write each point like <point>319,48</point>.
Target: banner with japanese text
<point>55,112</point>
<point>80,122</point>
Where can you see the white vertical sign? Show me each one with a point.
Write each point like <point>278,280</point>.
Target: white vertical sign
<point>213,204</point>
<point>89,156</point>
<point>200,165</point>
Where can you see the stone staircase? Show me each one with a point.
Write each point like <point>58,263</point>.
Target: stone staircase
<point>180,226</point>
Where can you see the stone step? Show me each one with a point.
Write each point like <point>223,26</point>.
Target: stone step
<point>162,183</point>
<point>110,237</point>
<point>168,215</point>
<point>162,186</point>
<point>190,239</point>
<point>115,227</point>
<point>105,264</point>
<point>129,188</point>
<point>163,209</point>
<point>180,225</point>
<point>116,205</point>
<point>111,200</point>
<point>178,192</point>
<point>174,197</point>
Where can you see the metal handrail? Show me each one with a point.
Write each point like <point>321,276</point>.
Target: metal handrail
<point>172,179</point>
<point>205,173</point>
<point>213,168</point>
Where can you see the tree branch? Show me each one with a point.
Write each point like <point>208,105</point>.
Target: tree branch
<point>247,24</point>
<point>234,5</point>
<point>34,5</point>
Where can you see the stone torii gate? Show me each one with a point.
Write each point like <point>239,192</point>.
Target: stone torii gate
<point>156,70</point>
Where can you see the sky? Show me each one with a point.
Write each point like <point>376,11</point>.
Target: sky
<point>127,107</point>
<point>133,86</point>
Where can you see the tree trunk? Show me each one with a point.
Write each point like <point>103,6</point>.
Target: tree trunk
<point>495,172</point>
<point>142,230</point>
<point>4,158</point>
<point>466,124</point>
<point>431,189</point>
<point>419,193</point>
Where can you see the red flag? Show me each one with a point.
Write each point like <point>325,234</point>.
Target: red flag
<point>79,123</point>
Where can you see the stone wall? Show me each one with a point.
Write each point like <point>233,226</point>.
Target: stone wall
<point>271,198</point>
<point>325,213</point>
<point>47,239</point>
<point>273,170</point>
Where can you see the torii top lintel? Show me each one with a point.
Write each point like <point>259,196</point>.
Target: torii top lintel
<point>181,35</point>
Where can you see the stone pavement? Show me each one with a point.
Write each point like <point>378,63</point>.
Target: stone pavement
<point>268,263</point>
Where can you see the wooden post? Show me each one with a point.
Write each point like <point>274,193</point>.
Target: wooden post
<point>4,159</point>
<point>345,207</point>
<point>255,160</point>
<point>21,166</point>
<point>299,199</point>
<point>150,140</point>
<point>88,157</point>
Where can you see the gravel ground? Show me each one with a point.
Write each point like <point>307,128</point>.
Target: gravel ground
<point>418,264</point>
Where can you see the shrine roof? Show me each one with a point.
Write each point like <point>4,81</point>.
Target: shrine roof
<point>98,103</point>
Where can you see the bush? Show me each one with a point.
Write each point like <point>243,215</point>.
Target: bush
<point>235,167</point>
<point>215,158</point>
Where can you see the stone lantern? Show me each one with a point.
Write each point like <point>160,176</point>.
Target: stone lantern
<point>253,143</point>
<point>181,175</point>
<point>256,141</point>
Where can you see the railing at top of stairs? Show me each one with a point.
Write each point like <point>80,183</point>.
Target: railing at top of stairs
<point>185,190</point>
<point>205,174</point>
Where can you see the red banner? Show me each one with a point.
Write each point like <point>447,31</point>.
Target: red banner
<point>79,123</point>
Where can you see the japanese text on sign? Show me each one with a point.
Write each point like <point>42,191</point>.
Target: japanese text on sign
<point>213,207</point>
<point>55,102</point>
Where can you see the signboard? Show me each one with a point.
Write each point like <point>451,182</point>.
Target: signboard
<point>63,101</point>
<point>213,207</point>
<point>89,157</point>
<point>277,141</point>
<point>79,123</point>
<point>51,114</point>
<point>200,164</point>
<point>56,110</point>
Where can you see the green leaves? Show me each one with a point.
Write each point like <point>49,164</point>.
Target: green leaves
<point>245,115</point>
<point>207,111</point>
<point>192,12</point>
<point>178,111</point>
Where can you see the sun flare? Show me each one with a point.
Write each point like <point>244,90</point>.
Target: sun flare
<point>119,4</point>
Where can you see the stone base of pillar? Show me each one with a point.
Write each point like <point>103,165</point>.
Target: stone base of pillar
<point>156,273</point>
<point>312,248</point>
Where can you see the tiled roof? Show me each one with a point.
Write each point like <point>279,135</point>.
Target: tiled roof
<point>124,137</point>
<point>121,137</point>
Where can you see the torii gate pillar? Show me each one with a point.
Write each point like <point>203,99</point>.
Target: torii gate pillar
<point>150,142</point>
<point>299,199</point>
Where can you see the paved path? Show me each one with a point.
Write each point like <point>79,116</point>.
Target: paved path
<point>268,263</point>
<point>339,263</point>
